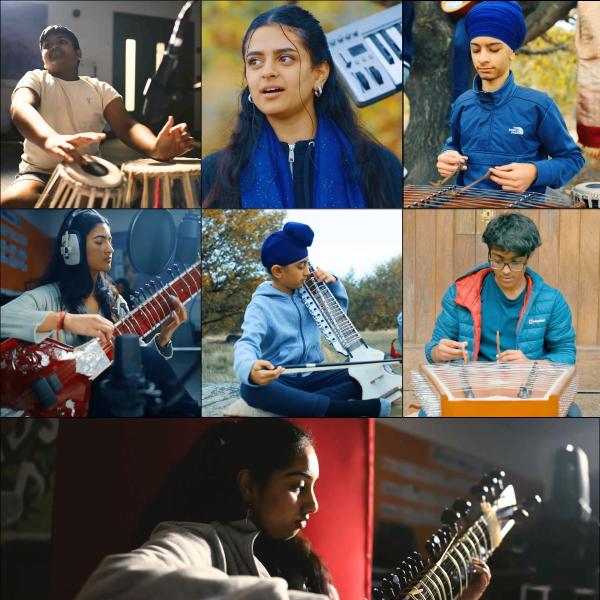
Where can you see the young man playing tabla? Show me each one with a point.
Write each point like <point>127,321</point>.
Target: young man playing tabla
<point>498,125</point>
<point>61,116</point>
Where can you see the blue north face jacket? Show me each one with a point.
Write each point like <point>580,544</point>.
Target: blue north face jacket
<point>544,330</point>
<point>512,124</point>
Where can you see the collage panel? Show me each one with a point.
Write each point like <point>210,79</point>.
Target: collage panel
<point>337,508</point>
<point>501,105</point>
<point>301,313</point>
<point>95,321</point>
<point>508,313</point>
<point>106,102</point>
<point>300,106</point>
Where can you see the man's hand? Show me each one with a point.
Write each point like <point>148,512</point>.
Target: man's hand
<point>263,372</point>
<point>448,162</point>
<point>449,350</point>
<point>65,146</point>
<point>515,177</point>
<point>323,276</point>
<point>512,356</point>
<point>479,582</point>
<point>177,317</point>
<point>172,141</point>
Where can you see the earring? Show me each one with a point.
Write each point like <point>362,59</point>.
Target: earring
<point>250,99</point>
<point>318,91</point>
<point>248,513</point>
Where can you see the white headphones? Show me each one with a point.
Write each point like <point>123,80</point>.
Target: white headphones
<point>70,244</point>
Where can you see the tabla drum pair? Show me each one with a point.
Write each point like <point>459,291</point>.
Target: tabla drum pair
<point>100,184</point>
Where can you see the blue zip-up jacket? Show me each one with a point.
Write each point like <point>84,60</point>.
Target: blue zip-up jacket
<point>544,330</point>
<point>278,327</point>
<point>512,124</point>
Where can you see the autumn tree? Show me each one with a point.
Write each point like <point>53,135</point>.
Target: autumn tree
<point>376,298</point>
<point>231,267</point>
<point>429,87</point>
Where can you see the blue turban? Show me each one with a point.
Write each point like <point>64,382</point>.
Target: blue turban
<point>501,20</point>
<point>287,246</point>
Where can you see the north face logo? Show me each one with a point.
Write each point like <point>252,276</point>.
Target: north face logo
<point>533,321</point>
<point>516,130</point>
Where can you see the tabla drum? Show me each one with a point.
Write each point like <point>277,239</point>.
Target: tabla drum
<point>174,183</point>
<point>97,184</point>
<point>587,194</point>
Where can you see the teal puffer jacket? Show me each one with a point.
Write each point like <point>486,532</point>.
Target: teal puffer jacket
<point>544,330</point>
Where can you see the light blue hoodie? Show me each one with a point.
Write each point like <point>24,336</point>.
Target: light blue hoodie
<point>278,327</point>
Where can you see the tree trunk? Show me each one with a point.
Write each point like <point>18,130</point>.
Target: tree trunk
<point>429,87</point>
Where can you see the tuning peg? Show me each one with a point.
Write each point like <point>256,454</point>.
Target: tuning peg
<point>450,517</point>
<point>418,560</point>
<point>447,534</point>
<point>402,576</point>
<point>408,568</point>
<point>377,594</point>
<point>500,475</point>
<point>433,546</point>
<point>491,482</point>
<point>532,503</point>
<point>480,491</point>
<point>176,267</point>
<point>462,506</point>
<point>520,515</point>
<point>160,282</point>
<point>388,588</point>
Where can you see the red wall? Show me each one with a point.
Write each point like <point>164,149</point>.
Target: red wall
<point>108,468</point>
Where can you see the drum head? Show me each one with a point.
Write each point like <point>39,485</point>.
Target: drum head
<point>99,173</point>
<point>151,240</point>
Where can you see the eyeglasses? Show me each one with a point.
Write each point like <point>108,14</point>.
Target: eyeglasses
<point>499,264</point>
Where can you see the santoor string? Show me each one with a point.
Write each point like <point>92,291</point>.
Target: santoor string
<point>424,196</point>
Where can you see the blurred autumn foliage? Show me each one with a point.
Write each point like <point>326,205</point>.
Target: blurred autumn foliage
<point>231,267</point>
<point>554,71</point>
<point>231,270</point>
<point>224,24</point>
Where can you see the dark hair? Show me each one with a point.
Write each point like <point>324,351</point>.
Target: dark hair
<point>333,103</point>
<point>512,232</point>
<point>75,281</point>
<point>203,487</point>
<point>56,29</point>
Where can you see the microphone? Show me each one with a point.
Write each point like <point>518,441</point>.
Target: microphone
<point>160,90</point>
<point>188,239</point>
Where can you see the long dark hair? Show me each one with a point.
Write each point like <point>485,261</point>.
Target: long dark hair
<point>203,488</point>
<point>75,281</point>
<point>333,103</point>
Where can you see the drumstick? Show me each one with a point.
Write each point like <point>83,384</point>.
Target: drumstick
<point>465,355</point>
<point>497,344</point>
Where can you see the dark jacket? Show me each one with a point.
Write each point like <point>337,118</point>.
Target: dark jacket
<point>544,330</point>
<point>390,170</point>
<point>512,124</point>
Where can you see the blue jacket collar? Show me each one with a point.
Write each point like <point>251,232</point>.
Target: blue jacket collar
<point>491,100</point>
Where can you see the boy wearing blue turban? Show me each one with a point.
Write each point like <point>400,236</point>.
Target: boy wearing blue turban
<point>278,330</point>
<point>501,126</point>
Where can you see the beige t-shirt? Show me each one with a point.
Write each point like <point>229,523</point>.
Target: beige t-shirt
<point>68,107</point>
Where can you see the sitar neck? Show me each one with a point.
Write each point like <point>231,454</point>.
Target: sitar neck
<point>156,309</point>
<point>335,320</point>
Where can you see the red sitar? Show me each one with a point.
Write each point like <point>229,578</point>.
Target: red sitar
<point>52,379</point>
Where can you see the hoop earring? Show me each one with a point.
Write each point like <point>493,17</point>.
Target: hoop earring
<point>250,99</point>
<point>319,91</point>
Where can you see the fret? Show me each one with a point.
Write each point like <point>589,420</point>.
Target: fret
<point>156,309</point>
